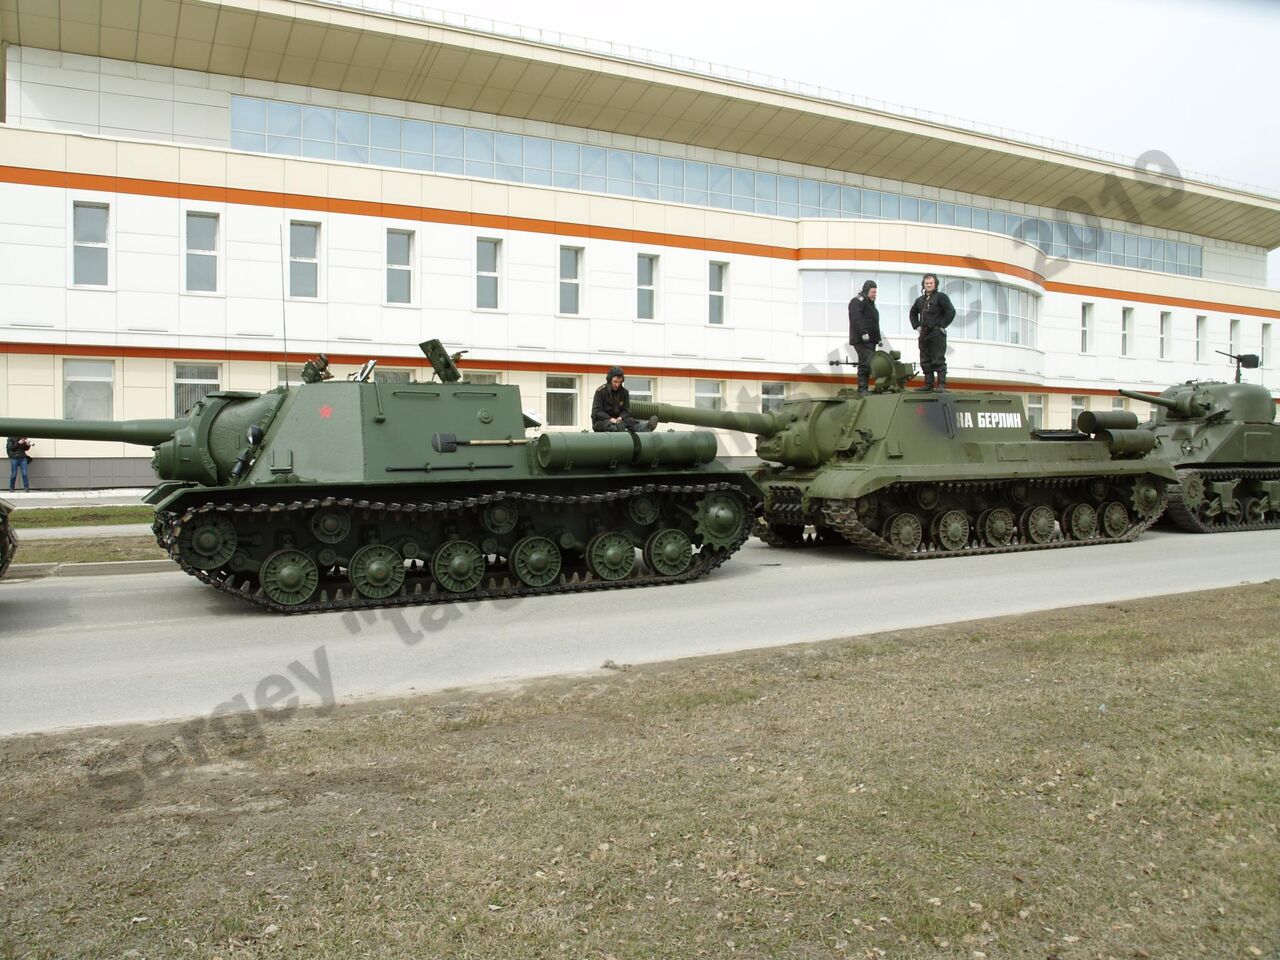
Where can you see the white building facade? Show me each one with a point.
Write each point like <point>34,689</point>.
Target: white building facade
<point>203,199</point>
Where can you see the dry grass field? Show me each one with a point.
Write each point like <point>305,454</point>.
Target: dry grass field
<point>1095,782</point>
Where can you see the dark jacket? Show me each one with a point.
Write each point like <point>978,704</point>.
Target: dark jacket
<point>864,317</point>
<point>932,311</point>
<point>610,403</point>
<point>16,448</point>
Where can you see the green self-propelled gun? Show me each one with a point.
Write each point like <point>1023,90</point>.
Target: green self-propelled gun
<point>346,494</point>
<point>912,475</point>
<point>8,541</point>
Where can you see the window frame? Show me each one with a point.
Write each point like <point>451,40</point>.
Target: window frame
<point>654,260</point>
<point>107,244</point>
<point>1083,407</point>
<point>1086,328</point>
<point>548,391</point>
<point>1164,347</point>
<point>699,395</point>
<point>1233,335</point>
<point>496,274</point>
<point>399,268</point>
<point>1202,337</point>
<point>1126,331</point>
<point>577,281</point>
<point>68,380</point>
<point>176,380</point>
<point>765,398</point>
<point>318,259</point>
<point>1036,402</point>
<point>215,253</point>
<point>722,293</point>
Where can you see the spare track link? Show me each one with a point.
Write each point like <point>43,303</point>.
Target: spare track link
<point>496,585</point>
<point>1187,519</point>
<point>842,516</point>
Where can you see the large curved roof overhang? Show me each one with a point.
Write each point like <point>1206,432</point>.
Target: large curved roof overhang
<point>315,44</point>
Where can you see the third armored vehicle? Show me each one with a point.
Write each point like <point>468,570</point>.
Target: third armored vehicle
<point>1225,443</point>
<point>915,475</point>
<point>8,542</point>
<point>349,494</point>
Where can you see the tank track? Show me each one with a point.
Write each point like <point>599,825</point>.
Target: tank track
<point>8,548</point>
<point>1185,518</point>
<point>842,516</point>
<point>497,584</point>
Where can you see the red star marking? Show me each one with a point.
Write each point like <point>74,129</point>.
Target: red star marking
<point>326,412</point>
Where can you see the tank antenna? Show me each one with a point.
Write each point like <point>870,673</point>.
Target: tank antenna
<point>284,308</point>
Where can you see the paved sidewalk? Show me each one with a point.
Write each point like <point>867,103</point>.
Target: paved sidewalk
<point>85,533</point>
<point>118,496</point>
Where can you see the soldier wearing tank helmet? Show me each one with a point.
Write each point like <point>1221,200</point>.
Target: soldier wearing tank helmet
<point>864,331</point>
<point>611,408</point>
<point>931,314</point>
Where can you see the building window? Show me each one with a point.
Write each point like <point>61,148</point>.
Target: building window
<point>1264,355</point>
<point>646,286</point>
<point>562,401</point>
<point>1086,327</point>
<point>1234,337</point>
<point>399,266</point>
<point>87,389</point>
<point>1119,404</point>
<point>480,376</point>
<point>383,375</point>
<point>570,280</point>
<point>288,374</point>
<point>1202,338</point>
<point>1035,410</point>
<point>640,388</point>
<point>193,382</point>
<point>487,253</point>
<point>708,394</point>
<point>202,252</point>
<point>1078,406</point>
<point>772,396</point>
<point>1166,334</point>
<point>1126,331</point>
<point>89,257</point>
<point>717,285</point>
<point>304,259</point>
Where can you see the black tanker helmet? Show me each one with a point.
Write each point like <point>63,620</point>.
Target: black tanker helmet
<point>868,285</point>
<point>614,372</point>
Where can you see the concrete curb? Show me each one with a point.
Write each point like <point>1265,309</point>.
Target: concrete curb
<point>112,568</point>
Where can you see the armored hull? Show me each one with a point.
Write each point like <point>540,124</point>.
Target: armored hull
<point>1225,445</point>
<point>336,495</point>
<point>926,475</point>
<point>8,540</point>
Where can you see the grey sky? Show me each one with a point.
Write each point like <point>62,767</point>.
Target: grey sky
<point>1192,78</point>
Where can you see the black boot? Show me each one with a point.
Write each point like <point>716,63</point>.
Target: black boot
<point>863,380</point>
<point>942,382</point>
<point>928,384</point>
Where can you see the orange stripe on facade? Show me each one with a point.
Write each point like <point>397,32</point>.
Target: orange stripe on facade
<point>1206,305</point>
<point>514,366</point>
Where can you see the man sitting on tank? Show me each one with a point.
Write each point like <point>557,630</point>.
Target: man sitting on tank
<point>611,409</point>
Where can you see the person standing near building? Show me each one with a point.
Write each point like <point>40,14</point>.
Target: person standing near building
<point>611,408</point>
<point>16,448</point>
<point>864,331</point>
<point>931,314</point>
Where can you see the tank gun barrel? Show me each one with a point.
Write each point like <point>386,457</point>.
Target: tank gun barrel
<point>763,424</point>
<point>147,433</point>
<point>1184,405</point>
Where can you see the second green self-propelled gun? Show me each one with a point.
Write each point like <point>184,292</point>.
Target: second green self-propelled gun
<point>350,494</point>
<point>913,475</point>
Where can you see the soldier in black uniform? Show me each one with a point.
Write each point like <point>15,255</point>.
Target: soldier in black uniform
<point>931,314</point>
<point>611,408</point>
<point>864,331</point>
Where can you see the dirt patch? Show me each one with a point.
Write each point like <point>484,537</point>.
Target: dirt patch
<point>1103,781</point>
<point>93,550</point>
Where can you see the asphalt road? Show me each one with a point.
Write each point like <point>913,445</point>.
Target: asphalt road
<point>103,650</point>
